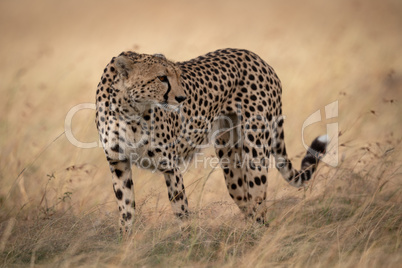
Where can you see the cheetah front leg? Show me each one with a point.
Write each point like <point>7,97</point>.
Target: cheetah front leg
<point>122,186</point>
<point>176,192</point>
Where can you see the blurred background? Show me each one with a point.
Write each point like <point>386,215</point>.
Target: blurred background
<point>53,54</point>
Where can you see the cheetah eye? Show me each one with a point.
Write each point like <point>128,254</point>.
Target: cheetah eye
<point>163,78</point>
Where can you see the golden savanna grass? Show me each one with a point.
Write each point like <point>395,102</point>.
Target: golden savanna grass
<point>57,204</point>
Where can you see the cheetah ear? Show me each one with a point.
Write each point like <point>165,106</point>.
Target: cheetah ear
<point>123,65</point>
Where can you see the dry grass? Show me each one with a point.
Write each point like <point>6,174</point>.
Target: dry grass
<point>56,200</point>
<point>354,220</point>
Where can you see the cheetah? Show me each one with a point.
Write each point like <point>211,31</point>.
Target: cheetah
<point>154,113</point>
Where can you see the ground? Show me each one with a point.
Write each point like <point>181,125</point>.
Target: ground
<point>57,202</point>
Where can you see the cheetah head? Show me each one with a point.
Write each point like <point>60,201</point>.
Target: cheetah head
<point>148,79</point>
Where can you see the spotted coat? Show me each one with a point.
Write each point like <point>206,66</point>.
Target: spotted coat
<point>155,113</point>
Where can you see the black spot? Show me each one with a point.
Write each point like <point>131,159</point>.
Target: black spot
<point>257,181</point>
<point>233,186</point>
<point>117,149</point>
<point>252,165</point>
<point>150,153</point>
<point>246,149</point>
<point>263,179</point>
<point>118,172</point>
<point>269,117</point>
<point>231,174</point>
<point>128,216</point>
<point>179,215</point>
<point>289,165</point>
<point>220,153</point>
<point>254,153</point>
<point>129,183</point>
<point>226,170</point>
<point>119,194</point>
<point>258,142</point>
<point>169,171</point>
<point>178,196</point>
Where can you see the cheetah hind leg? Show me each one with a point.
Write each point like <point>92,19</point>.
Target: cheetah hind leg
<point>246,184</point>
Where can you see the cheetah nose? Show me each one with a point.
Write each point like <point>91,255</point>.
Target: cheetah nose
<point>180,98</point>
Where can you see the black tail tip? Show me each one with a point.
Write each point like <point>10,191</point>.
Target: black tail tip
<point>319,145</point>
<point>315,152</point>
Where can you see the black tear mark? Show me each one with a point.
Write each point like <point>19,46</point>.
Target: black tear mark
<point>165,97</point>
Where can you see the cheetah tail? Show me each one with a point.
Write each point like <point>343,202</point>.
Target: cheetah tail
<point>308,165</point>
